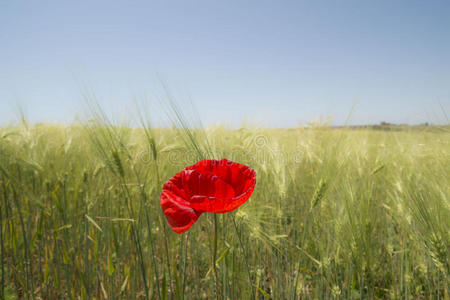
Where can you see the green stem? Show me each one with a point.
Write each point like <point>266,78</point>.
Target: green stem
<point>245,258</point>
<point>28,265</point>
<point>136,238</point>
<point>87,263</point>
<point>164,226</point>
<point>155,265</point>
<point>216,278</point>
<point>183,283</point>
<point>149,228</point>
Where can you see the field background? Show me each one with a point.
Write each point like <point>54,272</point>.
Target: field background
<point>337,213</point>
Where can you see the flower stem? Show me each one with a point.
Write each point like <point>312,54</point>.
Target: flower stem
<point>216,278</point>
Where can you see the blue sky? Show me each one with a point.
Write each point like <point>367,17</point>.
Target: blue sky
<point>272,63</point>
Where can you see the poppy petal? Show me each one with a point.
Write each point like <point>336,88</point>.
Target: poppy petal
<point>225,175</point>
<point>179,216</point>
<point>220,205</point>
<point>239,176</point>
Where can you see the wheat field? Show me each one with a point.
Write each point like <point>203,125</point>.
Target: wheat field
<point>343,213</point>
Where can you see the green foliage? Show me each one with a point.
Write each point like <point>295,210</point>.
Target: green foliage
<point>336,213</point>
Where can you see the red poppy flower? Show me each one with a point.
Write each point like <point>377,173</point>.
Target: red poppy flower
<point>214,186</point>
